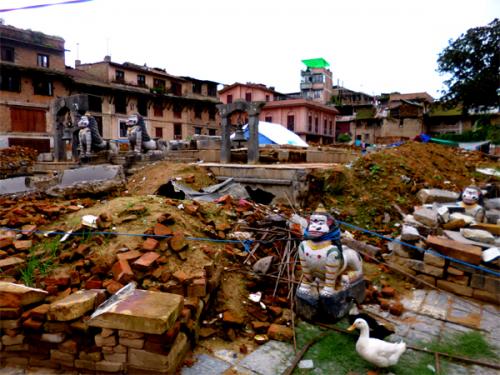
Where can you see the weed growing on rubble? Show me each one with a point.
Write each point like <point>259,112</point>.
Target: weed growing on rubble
<point>40,261</point>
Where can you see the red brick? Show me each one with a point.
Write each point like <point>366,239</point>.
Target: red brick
<point>178,241</point>
<point>259,326</point>
<point>146,260</point>
<point>198,288</point>
<point>93,283</point>
<point>40,312</point>
<point>388,292</point>
<point>113,286</point>
<point>129,255</point>
<point>122,271</point>
<point>63,280</point>
<point>232,318</point>
<point>69,346</point>
<point>180,276</point>
<point>150,244</point>
<point>396,308</point>
<point>467,253</point>
<point>23,245</point>
<point>5,242</point>
<point>162,230</point>
<point>32,324</point>
<point>28,229</point>
<point>74,278</point>
<point>280,332</point>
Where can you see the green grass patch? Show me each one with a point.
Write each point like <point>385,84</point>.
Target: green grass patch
<point>40,260</point>
<point>336,353</point>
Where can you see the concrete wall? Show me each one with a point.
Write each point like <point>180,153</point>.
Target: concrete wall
<point>408,127</point>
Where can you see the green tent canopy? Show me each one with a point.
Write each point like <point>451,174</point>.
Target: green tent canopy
<point>316,63</point>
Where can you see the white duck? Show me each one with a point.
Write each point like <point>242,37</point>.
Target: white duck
<point>378,352</point>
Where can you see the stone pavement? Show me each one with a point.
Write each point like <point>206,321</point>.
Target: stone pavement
<point>431,315</point>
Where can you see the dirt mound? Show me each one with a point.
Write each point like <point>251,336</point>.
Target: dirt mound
<point>150,178</point>
<point>378,182</point>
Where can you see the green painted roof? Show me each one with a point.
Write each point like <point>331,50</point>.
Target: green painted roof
<point>316,63</point>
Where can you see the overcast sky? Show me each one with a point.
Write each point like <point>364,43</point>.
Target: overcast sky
<point>372,46</point>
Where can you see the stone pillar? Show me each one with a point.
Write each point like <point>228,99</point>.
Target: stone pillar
<point>225,147</point>
<point>253,111</point>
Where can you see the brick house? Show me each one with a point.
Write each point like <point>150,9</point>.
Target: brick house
<point>33,74</point>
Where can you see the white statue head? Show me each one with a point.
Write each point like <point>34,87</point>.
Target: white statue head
<point>471,195</point>
<point>132,120</point>
<point>318,224</point>
<point>84,122</point>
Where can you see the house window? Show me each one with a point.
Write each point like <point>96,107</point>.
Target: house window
<point>212,132</point>
<point>43,87</point>
<point>28,120</point>
<point>177,131</point>
<point>120,76</point>
<point>212,90</point>
<point>197,130</point>
<point>229,99</point>
<point>177,111</point>
<point>159,132</point>
<point>176,88</point>
<point>10,81</point>
<point>309,123</point>
<point>95,103</point>
<point>211,113</point>
<point>7,54</point>
<point>120,104</point>
<point>268,119</point>
<point>316,125</point>
<point>290,122</point>
<point>267,98</point>
<point>122,128</point>
<point>197,87</point>
<point>248,96</point>
<point>142,106</point>
<point>197,112</point>
<point>331,127</point>
<point>159,84</point>
<point>325,129</point>
<point>141,80</point>
<point>401,122</point>
<point>157,110</point>
<point>42,60</point>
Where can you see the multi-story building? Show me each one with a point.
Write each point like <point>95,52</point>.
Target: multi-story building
<point>313,121</point>
<point>316,82</point>
<point>173,107</point>
<point>32,73</point>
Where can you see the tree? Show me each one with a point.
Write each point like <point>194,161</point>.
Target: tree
<point>473,61</point>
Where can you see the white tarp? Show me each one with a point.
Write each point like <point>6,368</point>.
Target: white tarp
<point>277,134</point>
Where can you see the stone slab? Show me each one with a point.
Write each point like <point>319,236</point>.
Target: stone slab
<point>13,295</point>
<point>16,185</point>
<point>138,311</point>
<point>206,365</point>
<point>467,253</point>
<point>437,195</point>
<point>272,358</point>
<point>73,306</point>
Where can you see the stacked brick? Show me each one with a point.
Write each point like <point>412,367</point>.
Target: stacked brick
<point>150,333</point>
<point>445,243</point>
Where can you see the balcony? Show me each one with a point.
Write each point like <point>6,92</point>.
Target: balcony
<point>306,85</point>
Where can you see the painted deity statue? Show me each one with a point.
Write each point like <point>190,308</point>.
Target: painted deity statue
<point>324,260</point>
<point>138,136</point>
<point>472,202</point>
<point>89,138</point>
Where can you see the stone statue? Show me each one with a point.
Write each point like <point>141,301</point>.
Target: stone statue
<point>89,137</point>
<point>138,136</point>
<point>332,273</point>
<point>471,200</point>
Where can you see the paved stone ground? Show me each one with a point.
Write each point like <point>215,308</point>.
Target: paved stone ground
<point>429,315</point>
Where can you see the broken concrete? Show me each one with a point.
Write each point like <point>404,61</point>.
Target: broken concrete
<point>437,195</point>
<point>95,179</point>
<point>15,186</point>
<point>14,295</point>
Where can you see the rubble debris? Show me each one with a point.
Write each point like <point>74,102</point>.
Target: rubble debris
<point>16,161</point>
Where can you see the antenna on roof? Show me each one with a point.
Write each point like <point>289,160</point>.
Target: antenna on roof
<point>78,51</point>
